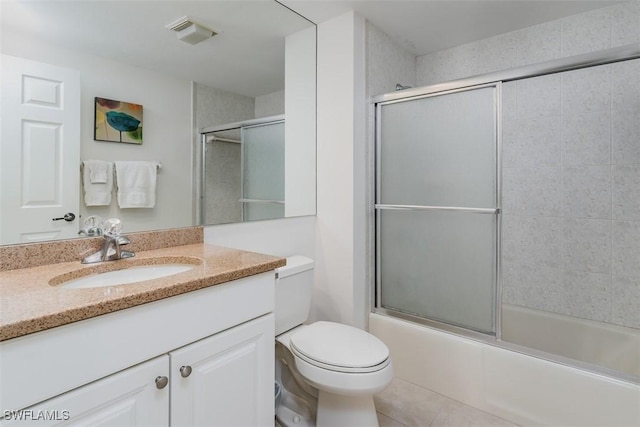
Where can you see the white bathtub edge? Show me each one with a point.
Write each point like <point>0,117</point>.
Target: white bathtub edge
<point>520,388</point>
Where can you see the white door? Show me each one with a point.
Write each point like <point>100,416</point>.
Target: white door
<point>227,379</point>
<point>134,397</point>
<point>39,151</point>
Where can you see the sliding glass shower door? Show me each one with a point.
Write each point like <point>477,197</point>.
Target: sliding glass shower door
<point>263,171</point>
<point>437,207</point>
<point>242,171</point>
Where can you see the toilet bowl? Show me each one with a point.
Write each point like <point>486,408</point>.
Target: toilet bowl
<point>344,366</point>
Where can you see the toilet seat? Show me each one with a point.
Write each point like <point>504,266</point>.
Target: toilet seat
<point>340,348</point>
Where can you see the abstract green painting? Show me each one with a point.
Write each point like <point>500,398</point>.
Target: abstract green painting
<point>117,121</point>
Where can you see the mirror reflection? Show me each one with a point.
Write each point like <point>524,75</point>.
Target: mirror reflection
<point>227,70</point>
<point>243,171</point>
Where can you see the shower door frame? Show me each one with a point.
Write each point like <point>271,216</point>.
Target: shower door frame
<point>607,56</point>
<point>378,207</point>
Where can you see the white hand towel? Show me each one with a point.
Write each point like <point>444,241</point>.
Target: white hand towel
<point>98,171</point>
<point>136,184</point>
<point>97,193</point>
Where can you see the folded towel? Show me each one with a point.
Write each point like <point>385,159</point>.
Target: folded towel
<point>98,171</point>
<point>97,193</point>
<point>136,184</point>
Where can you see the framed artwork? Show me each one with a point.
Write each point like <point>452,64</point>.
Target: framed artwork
<point>117,121</point>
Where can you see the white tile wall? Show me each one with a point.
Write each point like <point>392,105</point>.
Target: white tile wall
<point>387,63</point>
<point>625,301</point>
<point>586,191</point>
<point>625,20</point>
<point>571,192</point>
<point>599,183</point>
<point>587,32</point>
<point>613,26</point>
<point>625,132</point>
<point>626,191</point>
<point>586,138</point>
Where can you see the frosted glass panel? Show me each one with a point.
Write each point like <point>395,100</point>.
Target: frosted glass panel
<point>439,151</point>
<point>263,162</point>
<point>263,171</point>
<point>439,265</point>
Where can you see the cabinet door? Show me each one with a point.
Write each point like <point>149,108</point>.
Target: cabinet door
<point>127,398</point>
<point>226,379</point>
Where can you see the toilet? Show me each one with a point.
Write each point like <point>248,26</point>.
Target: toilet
<point>328,371</point>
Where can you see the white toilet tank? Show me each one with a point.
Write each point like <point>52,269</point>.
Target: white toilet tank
<point>294,285</point>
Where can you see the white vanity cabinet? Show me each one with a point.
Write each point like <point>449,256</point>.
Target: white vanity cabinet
<point>126,399</point>
<point>103,370</point>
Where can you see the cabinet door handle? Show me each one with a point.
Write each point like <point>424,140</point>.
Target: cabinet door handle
<point>185,371</point>
<point>161,382</point>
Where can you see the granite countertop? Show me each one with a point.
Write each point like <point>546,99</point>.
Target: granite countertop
<point>30,301</point>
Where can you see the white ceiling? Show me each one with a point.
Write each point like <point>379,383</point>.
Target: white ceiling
<point>247,57</point>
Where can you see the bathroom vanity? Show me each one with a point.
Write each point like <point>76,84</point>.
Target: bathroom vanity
<point>195,348</point>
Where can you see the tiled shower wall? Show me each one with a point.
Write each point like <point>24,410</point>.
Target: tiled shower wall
<point>571,229</point>
<point>571,193</point>
<point>600,29</point>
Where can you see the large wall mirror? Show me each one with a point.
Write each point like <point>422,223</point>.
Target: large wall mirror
<point>218,112</point>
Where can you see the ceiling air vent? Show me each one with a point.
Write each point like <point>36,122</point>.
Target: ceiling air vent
<point>190,32</point>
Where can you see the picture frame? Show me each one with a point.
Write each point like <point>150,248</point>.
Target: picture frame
<point>117,121</point>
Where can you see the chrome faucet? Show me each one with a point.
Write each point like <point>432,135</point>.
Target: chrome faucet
<point>92,227</point>
<point>110,250</point>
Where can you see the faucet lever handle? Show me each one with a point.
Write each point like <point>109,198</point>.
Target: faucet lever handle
<point>122,240</point>
<point>112,227</point>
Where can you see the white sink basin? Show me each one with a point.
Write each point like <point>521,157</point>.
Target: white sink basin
<point>125,276</point>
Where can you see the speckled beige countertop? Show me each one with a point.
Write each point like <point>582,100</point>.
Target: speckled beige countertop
<point>31,302</point>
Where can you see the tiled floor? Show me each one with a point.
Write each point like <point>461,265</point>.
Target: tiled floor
<point>405,404</point>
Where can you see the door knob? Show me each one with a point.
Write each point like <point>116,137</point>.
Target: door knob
<point>185,371</point>
<point>67,217</point>
<point>161,382</point>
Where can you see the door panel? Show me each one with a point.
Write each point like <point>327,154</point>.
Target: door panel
<point>126,399</point>
<point>40,151</point>
<point>437,207</point>
<point>231,378</point>
<point>439,150</point>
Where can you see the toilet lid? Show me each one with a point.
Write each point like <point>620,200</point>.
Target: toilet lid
<point>333,345</point>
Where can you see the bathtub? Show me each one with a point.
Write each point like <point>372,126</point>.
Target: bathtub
<point>524,389</point>
<point>611,346</point>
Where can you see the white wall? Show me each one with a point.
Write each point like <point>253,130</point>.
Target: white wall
<point>341,289</point>
<point>270,104</point>
<point>166,121</point>
<point>280,237</point>
<point>300,125</point>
